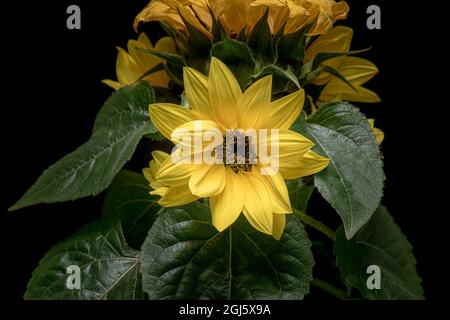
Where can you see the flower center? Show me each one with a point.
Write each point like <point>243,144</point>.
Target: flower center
<point>239,153</point>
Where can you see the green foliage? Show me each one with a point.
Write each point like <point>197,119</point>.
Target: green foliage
<point>261,42</point>
<point>185,257</point>
<point>237,56</point>
<point>90,169</point>
<point>129,201</point>
<point>109,269</point>
<point>380,243</point>
<point>281,78</point>
<point>353,181</point>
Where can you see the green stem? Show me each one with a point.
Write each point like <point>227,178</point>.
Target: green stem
<point>316,224</point>
<point>338,293</point>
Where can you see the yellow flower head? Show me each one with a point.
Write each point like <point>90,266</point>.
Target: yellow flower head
<point>236,15</point>
<point>357,71</point>
<point>132,65</point>
<point>217,104</point>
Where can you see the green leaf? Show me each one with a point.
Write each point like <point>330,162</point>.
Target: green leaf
<point>174,63</point>
<point>217,29</point>
<point>291,48</point>
<point>184,257</point>
<point>109,270</point>
<point>90,169</point>
<point>338,75</point>
<point>299,193</point>
<point>261,41</point>
<point>353,181</point>
<point>237,56</point>
<point>281,78</point>
<point>129,201</point>
<point>380,243</point>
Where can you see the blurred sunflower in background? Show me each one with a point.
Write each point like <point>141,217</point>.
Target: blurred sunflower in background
<point>131,66</point>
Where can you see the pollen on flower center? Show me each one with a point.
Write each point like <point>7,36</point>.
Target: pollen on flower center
<point>238,152</point>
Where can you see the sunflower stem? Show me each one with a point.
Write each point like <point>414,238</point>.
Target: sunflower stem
<point>325,286</point>
<point>319,226</point>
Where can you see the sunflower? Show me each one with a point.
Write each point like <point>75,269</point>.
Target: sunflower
<point>357,71</point>
<point>217,104</point>
<point>237,15</point>
<point>132,65</point>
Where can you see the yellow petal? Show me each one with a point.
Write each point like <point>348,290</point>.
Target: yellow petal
<point>127,69</point>
<point>309,164</point>
<point>285,111</point>
<point>227,206</point>
<point>234,15</point>
<point>160,191</point>
<point>255,104</point>
<point>321,25</point>
<point>192,19</point>
<point>291,148</point>
<point>337,88</point>
<point>257,205</point>
<point>278,193</point>
<point>178,196</point>
<point>174,174</point>
<point>159,157</point>
<point>197,93</point>
<point>208,180</point>
<point>340,10</point>
<point>224,94</point>
<point>166,44</point>
<point>113,84</point>
<point>145,60</point>
<point>148,174</point>
<point>357,70</point>
<point>279,223</point>
<point>159,11</point>
<point>379,135</point>
<point>197,137</point>
<point>337,39</point>
<point>167,117</point>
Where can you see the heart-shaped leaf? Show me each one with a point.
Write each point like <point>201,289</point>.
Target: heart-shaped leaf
<point>185,257</point>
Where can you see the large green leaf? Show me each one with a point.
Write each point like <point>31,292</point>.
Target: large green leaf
<point>184,257</point>
<point>109,269</point>
<point>353,182</point>
<point>129,201</point>
<point>379,243</point>
<point>237,56</point>
<point>90,169</point>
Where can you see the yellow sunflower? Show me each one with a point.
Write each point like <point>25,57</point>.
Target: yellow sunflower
<point>236,15</point>
<point>357,71</point>
<point>132,65</point>
<point>217,104</point>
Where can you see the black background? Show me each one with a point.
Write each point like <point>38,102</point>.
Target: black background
<point>53,93</point>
